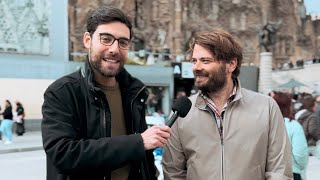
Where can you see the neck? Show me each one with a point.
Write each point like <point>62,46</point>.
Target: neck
<point>221,97</point>
<point>105,81</point>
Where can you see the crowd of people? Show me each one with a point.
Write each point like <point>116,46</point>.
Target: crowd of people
<point>302,120</point>
<point>299,63</point>
<point>10,118</point>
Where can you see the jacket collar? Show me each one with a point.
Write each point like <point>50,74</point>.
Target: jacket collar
<point>200,102</point>
<point>126,82</point>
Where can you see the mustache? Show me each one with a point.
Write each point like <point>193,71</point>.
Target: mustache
<point>200,73</point>
<point>115,56</point>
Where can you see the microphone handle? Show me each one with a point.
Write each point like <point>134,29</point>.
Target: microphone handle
<point>172,119</point>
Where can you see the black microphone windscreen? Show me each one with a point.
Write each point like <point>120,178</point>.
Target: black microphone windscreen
<point>182,106</point>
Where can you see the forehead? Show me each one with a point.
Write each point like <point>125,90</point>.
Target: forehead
<point>117,29</point>
<point>200,52</point>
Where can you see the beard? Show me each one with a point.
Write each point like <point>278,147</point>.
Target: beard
<point>98,63</point>
<point>216,80</point>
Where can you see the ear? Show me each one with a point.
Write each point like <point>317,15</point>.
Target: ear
<point>87,40</point>
<point>231,66</point>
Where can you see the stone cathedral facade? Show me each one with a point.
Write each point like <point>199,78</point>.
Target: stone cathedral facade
<point>167,25</point>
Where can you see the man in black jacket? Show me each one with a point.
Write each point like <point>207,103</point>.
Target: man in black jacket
<point>94,119</point>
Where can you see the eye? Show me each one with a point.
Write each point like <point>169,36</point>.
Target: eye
<point>193,61</point>
<point>206,61</point>
<point>107,39</point>
<point>124,42</point>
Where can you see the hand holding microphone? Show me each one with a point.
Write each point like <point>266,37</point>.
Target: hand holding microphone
<point>157,136</point>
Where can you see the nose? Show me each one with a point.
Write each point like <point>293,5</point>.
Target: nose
<point>114,48</point>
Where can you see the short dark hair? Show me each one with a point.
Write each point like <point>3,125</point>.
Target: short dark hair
<point>221,44</point>
<point>105,15</point>
<point>308,102</point>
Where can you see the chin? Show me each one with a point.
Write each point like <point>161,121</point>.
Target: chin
<point>200,83</point>
<point>111,74</point>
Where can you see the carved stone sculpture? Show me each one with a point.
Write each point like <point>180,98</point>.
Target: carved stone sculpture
<point>267,35</point>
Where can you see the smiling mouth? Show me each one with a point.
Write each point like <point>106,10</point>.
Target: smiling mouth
<point>200,76</point>
<point>111,60</point>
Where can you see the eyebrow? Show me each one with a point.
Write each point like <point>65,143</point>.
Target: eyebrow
<point>204,58</point>
<point>113,36</point>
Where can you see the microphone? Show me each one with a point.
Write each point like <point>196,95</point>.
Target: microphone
<point>180,108</point>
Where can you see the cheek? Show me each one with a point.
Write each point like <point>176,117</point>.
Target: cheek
<point>124,54</point>
<point>193,69</point>
<point>97,49</point>
<point>94,48</point>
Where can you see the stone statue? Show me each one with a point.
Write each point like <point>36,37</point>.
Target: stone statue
<point>161,36</point>
<point>267,35</point>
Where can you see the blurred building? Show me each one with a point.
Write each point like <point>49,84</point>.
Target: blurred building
<point>41,41</point>
<point>166,26</point>
<point>163,29</point>
<point>34,51</point>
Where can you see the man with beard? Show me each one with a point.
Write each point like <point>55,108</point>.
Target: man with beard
<point>94,119</point>
<point>230,132</point>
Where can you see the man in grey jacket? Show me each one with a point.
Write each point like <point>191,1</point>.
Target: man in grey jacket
<point>230,133</point>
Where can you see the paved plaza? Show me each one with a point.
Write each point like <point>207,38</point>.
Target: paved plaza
<point>31,141</point>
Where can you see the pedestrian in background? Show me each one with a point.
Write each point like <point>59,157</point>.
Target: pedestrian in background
<point>299,146</point>
<point>20,129</point>
<point>94,123</point>
<point>309,121</point>
<point>6,124</point>
<point>299,106</point>
<point>230,132</point>
<point>318,109</point>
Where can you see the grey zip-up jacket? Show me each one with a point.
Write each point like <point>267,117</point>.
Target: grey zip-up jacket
<point>254,145</point>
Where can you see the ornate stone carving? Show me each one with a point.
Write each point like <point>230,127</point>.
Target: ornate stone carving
<point>161,24</point>
<point>24,27</point>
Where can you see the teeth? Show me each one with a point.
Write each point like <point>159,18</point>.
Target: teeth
<point>110,60</point>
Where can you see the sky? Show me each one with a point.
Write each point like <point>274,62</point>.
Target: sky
<point>312,6</point>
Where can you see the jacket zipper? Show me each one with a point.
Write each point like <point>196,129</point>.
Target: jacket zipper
<point>104,123</point>
<point>221,140</point>
<point>222,146</point>
<point>131,106</point>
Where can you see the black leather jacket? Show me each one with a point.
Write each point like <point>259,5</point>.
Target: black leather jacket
<point>76,129</point>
